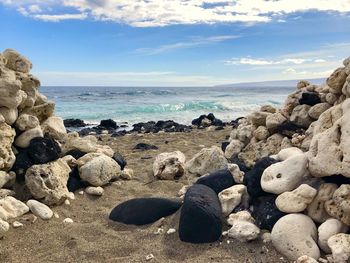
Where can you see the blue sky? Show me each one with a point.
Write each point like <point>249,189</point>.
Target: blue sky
<point>176,43</point>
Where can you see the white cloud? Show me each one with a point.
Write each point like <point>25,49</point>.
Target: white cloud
<point>150,13</point>
<point>57,18</point>
<point>189,44</point>
<point>264,62</point>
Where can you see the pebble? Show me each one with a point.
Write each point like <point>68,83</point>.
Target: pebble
<point>71,196</point>
<point>68,221</point>
<point>56,215</point>
<point>66,202</point>
<point>17,224</point>
<point>81,192</point>
<point>96,191</point>
<point>149,257</point>
<point>39,209</point>
<point>159,231</point>
<point>171,231</point>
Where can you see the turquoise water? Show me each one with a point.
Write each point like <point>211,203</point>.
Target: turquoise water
<point>134,104</point>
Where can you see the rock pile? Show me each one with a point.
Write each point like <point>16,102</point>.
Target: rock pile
<point>36,153</point>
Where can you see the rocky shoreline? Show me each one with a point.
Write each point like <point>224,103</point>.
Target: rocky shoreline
<point>277,177</point>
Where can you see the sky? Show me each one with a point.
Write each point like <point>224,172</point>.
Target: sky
<point>176,42</point>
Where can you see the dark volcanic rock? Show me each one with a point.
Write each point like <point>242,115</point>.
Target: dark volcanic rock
<point>119,133</point>
<point>309,98</point>
<point>76,153</point>
<point>265,212</point>
<point>288,129</point>
<point>218,181</point>
<point>213,121</point>
<point>145,147</point>
<point>74,123</point>
<point>240,164</point>
<point>167,126</point>
<point>337,179</point>
<point>252,178</point>
<point>74,181</point>
<point>39,151</point>
<point>120,160</point>
<point>200,220</point>
<point>143,211</point>
<point>108,124</point>
<point>224,146</point>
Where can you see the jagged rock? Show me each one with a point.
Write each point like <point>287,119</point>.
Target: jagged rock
<point>331,144</point>
<point>200,219</point>
<point>316,110</point>
<point>328,229</point>
<point>261,133</point>
<point>231,197</point>
<point>233,148</point>
<point>48,182</point>
<point>265,212</point>
<point>24,139</point>
<point>4,227</point>
<point>309,98</point>
<point>336,80</point>
<point>284,176</point>
<point>289,152</point>
<point>98,169</point>
<point>7,179</point>
<point>302,84</point>
<point>243,132</point>
<point>30,85</point>
<point>10,115</point>
<point>10,208</point>
<point>206,161</point>
<point>54,127</point>
<point>26,122</point>
<point>39,209</point>
<point>16,61</point>
<point>42,111</point>
<point>87,144</point>
<point>119,159</point>
<point>300,116</point>
<point>258,118</point>
<point>340,246</point>
<point>295,235</point>
<point>339,205</point>
<point>169,166</point>
<point>238,175</point>
<point>316,210</point>
<point>7,157</point>
<point>243,227</point>
<point>253,177</point>
<point>296,200</point>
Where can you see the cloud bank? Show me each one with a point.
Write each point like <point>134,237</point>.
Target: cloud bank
<point>153,13</point>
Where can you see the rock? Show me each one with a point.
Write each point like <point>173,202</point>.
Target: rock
<point>10,208</point>
<point>68,221</point>
<point>42,111</point>
<point>17,224</point>
<point>206,161</point>
<point>295,235</point>
<point>6,192</point>
<point>258,118</point>
<point>274,120</point>
<point>339,205</point>
<point>149,257</point>
<point>127,174</point>
<point>48,182</point>
<point>309,98</point>
<point>296,200</point>
<point>76,123</point>
<point>302,84</point>
<point>98,169</point>
<point>268,108</point>
<point>108,124</point>
<point>306,259</point>
<point>39,209</point>
<point>171,231</point>
<point>218,181</point>
<point>200,219</point>
<point>284,176</point>
<point>25,122</point>
<point>54,127</point>
<point>318,109</point>
<point>7,179</point>
<point>243,227</point>
<point>10,115</point>
<point>331,98</point>
<point>336,80</point>
<point>169,165</point>
<point>265,212</point>
<point>120,160</point>
<point>340,246</point>
<point>253,177</point>
<point>24,139</point>
<point>316,210</point>
<point>328,229</point>
<point>286,153</point>
<point>233,148</point>
<point>300,116</point>
<point>231,197</point>
<point>261,133</point>
<point>143,211</point>
<point>238,176</point>
<point>7,157</point>
<point>97,191</point>
<point>145,147</point>
<point>4,227</point>
<point>88,144</point>
<point>16,61</point>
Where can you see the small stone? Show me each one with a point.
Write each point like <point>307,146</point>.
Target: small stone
<point>159,231</point>
<point>66,202</point>
<point>17,224</point>
<point>97,191</point>
<point>149,257</point>
<point>81,192</point>
<point>56,215</point>
<point>243,227</point>
<point>68,221</point>
<point>171,231</point>
<point>266,237</point>
<point>127,174</point>
<point>39,209</point>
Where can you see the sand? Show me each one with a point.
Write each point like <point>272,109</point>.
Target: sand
<point>93,238</point>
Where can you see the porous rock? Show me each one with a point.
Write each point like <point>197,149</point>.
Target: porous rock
<point>242,227</point>
<point>233,148</point>
<point>7,179</point>
<point>231,197</point>
<point>7,157</point>
<point>10,208</point>
<point>54,127</point>
<point>169,165</point>
<point>339,205</point>
<point>340,246</point>
<point>300,116</point>
<point>274,120</point>
<point>16,61</point>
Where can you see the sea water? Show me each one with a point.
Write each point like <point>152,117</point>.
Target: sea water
<point>181,104</point>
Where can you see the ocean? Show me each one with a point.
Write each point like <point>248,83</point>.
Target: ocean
<point>181,104</point>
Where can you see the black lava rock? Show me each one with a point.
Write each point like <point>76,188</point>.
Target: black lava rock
<point>218,181</point>
<point>108,124</point>
<point>288,128</point>
<point>240,164</point>
<point>120,160</point>
<point>224,146</point>
<point>74,181</point>
<point>200,220</point>
<point>145,147</point>
<point>337,179</point>
<point>119,133</point>
<point>213,120</point>
<point>74,123</point>
<point>76,153</point>
<point>265,212</point>
<point>309,98</point>
<point>143,211</point>
<point>252,178</point>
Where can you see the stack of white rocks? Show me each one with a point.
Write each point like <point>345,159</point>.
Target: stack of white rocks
<point>26,114</point>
